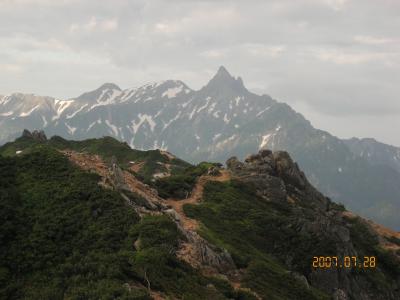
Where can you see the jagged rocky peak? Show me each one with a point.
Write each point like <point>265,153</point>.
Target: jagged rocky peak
<point>277,163</point>
<point>38,135</point>
<point>223,79</point>
<point>276,177</point>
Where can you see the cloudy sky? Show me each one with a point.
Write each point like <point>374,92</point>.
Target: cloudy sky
<point>335,61</point>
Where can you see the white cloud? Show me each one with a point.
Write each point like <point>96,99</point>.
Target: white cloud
<point>11,3</point>
<point>342,57</point>
<point>265,50</point>
<point>109,25</point>
<point>11,68</point>
<point>167,28</point>
<point>94,24</point>
<point>371,40</point>
<point>335,4</point>
<point>214,53</point>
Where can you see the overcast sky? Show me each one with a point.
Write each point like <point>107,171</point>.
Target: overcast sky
<point>335,61</point>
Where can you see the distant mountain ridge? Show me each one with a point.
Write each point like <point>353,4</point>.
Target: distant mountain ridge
<point>218,121</point>
<point>375,152</point>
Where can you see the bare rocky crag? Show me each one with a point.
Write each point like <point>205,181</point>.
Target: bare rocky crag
<point>276,178</point>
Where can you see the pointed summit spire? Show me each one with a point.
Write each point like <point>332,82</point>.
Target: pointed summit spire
<point>223,72</point>
<point>223,79</point>
<point>223,75</point>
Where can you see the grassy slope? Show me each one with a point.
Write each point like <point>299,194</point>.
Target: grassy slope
<point>262,235</point>
<point>62,236</point>
<point>106,147</point>
<point>249,230</point>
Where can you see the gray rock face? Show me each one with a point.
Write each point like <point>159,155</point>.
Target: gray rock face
<point>275,177</point>
<point>37,135</point>
<point>210,255</point>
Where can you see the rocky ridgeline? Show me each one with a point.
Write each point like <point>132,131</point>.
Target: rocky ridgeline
<point>277,178</point>
<point>37,135</point>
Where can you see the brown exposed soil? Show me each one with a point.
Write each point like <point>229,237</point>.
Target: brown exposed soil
<point>157,296</point>
<point>94,163</point>
<point>167,154</point>
<point>383,232</point>
<point>136,166</point>
<point>88,162</point>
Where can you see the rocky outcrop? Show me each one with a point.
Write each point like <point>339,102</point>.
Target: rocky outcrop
<point>37,135</point>
<point>203,255</point>
<point>275,177</point>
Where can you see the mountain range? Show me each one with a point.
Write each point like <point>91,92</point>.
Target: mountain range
<point>218,121</point>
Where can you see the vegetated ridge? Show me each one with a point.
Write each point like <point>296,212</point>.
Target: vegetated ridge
<point>96,219</point>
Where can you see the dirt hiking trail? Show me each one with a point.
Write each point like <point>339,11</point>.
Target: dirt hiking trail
<point>195,198</point>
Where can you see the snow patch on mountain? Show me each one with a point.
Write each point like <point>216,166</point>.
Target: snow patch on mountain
<point>4,100</point>
<point>106,99</point>
<point>126,95</point>
<point>71,129</point>
<point>226,120</point>
<point>186,103</point>
<point>61,106</point>
<point>192,113</point>
<point>265,139</point>
<point>216,114</point>
<point>237,100</point>
<point>204,106</point>
<point>76,112</point>
<point>216,137</point>
<point>44,121</point>
<point>143,118</point>
<point>172,92</point>
<point>91,125</point>
<point>172,120</point>
<point>113,128</point>
<point>263,111</point>
<point>221,145</point>
<point>211,108</point>
<point>28,113</point>
<point>7,114</point>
